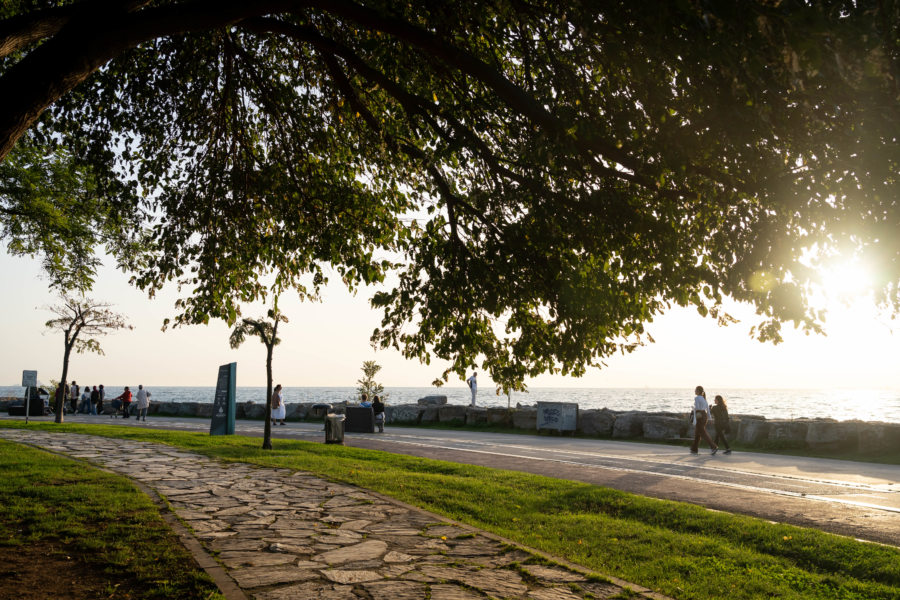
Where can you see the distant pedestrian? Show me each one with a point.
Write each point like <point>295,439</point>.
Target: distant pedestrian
<point>102,398</point>
<point>123,400</point>
<point>95,401</point>
<point>142,403</point>
<point>278,408</point>
<point>721,421</point>
<point>473,385</point>
<point>701,417</point>
<point>85,406</point>
<point>74,393</point>
<point>378,409</point>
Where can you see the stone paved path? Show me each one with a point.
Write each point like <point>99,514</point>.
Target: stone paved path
<point>284,534</point>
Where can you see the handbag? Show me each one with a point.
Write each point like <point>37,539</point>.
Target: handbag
<point>693,417</point>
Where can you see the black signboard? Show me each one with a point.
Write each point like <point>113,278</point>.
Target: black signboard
<point>223,404</point>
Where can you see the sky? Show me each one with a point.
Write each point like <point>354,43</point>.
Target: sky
<point>325,344</point>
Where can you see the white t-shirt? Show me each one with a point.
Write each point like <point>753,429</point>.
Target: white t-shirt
<point>700,403</point>
<point>473,384</point>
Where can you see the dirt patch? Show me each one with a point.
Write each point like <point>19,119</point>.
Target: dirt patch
<point>47,570</point>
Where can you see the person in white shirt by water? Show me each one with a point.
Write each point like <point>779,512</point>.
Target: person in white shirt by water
<point>473,385</point>
<point>701,416</point>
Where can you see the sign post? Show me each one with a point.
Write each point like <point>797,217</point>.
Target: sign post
<point>29,380</point>
<point>223,404</point>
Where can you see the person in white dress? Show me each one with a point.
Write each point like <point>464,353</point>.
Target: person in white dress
<point>278,408</point>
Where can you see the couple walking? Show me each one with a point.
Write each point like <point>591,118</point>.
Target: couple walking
<point>700,417</point>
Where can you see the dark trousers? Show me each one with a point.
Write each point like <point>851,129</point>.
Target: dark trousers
<point>700,431</point>
<point>720,437</point>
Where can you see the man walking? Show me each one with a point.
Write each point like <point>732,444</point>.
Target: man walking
<point>473,385</point>
<point>142,403</point>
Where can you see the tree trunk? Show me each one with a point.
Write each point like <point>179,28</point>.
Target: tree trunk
<point>61,397</point>
<point>267,432</point>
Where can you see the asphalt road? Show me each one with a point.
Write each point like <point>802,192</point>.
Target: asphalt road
<point>861,500</point>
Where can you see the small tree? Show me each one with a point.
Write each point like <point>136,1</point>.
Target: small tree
<point>267,332</point>
<point>368,385</point>
<point>81,322</point>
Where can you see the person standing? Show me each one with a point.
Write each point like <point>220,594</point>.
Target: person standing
<point>278,408</point>
<point>124,399</point>
<point>102,398</point>
<point>701,417</point>
<point>722,424</point>
<point>86,400</point>
<point>378,409</point>
<point>95,400</point>
<point>142,403</point>
<point>73,396</point>
<point>473,385</point>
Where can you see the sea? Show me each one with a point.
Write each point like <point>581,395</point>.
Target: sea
<point>840,404</point>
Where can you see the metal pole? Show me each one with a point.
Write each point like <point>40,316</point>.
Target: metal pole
<point>27,403</point>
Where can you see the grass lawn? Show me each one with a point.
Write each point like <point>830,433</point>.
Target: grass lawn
<point>71,531</point>
<point>678,549</point>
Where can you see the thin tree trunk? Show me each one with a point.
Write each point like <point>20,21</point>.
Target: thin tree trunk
<point>267,434</point>
<point>61,395</point>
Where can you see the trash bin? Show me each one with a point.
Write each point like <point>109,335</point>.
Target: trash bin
<point>319,411</point>
<point>334,429</point>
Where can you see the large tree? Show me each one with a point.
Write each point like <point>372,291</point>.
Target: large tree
<point>550,175</point>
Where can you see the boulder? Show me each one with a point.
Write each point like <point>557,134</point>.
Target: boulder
<point>750,430</point>
<point>429,415</point>
<point>499,416</point>
<point>295,412</point>
<point>525,418</point>
<point>402,413</point>
<point>432,401</point>
<point>252,410</point>
<point>665,428</point>
<point>832,435</point>
<point>628,425</point>
<point>879,437</point>
<point>788,433</point>
<point>452,413</point>
<point>476,415</point>
<point>596,422</point>
<point>185,409</point>
<point>204,410</point>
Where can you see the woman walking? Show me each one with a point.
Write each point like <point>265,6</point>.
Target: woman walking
<point>278,408</point>
<point>701,417</point>
<point>722,424</point>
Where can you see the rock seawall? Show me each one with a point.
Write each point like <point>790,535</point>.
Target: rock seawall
<point>748,430</point>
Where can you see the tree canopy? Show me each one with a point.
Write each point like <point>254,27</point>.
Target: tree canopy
<point>544,177</point>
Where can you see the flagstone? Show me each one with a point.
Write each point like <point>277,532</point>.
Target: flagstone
<point>442,591</point>
<point>311,591</point>
<point>395,590</point>
<point>342,576</point>
<point>364,551</point>
<point>252,577</point>
<point>553,574</point>
<point>234,559</point>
